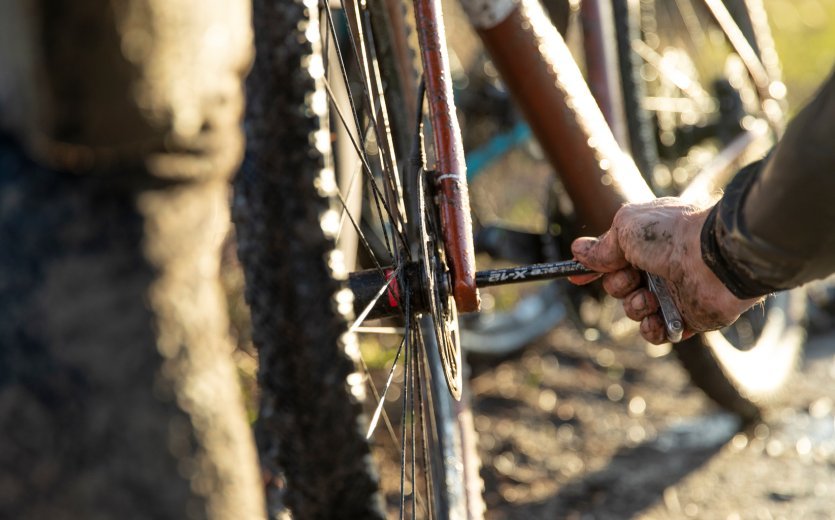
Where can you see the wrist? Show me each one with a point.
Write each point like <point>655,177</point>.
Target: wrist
<point>724,230</point>
<point>713,232</point>
<point>707,301</point>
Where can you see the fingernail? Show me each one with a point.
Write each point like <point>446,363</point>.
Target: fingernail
<point>583,245</point>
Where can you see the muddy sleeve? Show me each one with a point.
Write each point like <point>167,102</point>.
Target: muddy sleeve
<point>774,228</point>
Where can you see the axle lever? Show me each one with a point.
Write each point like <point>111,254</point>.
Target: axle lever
<point>672,318</point>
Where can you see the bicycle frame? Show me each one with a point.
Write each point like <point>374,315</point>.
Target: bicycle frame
<point>539,69</point>
<point>547,84</point>
<point>451,175</point>
<point>564,114</point>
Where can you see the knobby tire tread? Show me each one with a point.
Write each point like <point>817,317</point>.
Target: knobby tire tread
<point>309,431</point>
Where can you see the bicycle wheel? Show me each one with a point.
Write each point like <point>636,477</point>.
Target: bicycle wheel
<point>698,106</point>
<point>312,336</point>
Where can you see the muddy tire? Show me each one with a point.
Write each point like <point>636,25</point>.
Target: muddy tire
<point>309,431</point>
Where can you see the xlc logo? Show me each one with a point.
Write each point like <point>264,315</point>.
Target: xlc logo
<point>504,275</point>
<point>508,275</point>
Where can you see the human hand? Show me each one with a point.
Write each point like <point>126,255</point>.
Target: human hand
<point>662,237</point>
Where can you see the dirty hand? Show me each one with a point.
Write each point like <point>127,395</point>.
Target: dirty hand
<point>662,237</point>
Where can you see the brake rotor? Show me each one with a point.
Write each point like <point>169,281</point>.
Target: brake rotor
<point>436,278</point>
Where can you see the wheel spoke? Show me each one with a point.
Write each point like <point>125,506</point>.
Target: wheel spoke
<point>719,171</point>
<point>348,193</point>
<point>668,104</point>
<point>386,220</point>
<point>422,388</point>
<point>378,399</point>
<point>359,147</point>
<point>372,88</point>
<point>380,330</point>
<point>366,167</point>
<point>360,233</point>
<point>406,377</point>
<point>384,133</point>
<point>691,21</point>
<point>674,75</point>
<point>412,425</point>
<point>741,45</point>
<point>376,417</point>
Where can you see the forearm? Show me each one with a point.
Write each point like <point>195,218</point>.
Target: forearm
<point>772,229</point>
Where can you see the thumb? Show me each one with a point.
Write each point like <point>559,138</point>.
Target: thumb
<point>602,254</point>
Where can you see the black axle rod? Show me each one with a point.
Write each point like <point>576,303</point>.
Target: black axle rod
<point>367,284</point>
<point>530,273</point>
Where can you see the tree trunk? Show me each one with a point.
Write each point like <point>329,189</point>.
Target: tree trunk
<point>118,396</point>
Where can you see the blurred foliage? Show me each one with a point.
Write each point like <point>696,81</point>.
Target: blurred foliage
<point>378,350</point>
<point>804,32</point>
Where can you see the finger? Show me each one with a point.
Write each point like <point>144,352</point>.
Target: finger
<point>583,279</point>
<point>652,329</point>
<point>640,304</point>
<point>621,283</point>
<point>600,254</point>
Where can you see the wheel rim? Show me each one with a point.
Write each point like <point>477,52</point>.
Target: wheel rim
<point>702,102</point>
<point>698,94</point>
<point>743,125</point>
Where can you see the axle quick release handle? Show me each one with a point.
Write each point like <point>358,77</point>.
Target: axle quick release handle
<point>673,323</point>
<point>672,318</point>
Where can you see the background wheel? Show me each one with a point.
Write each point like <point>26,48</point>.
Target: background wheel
<point>696,113</point>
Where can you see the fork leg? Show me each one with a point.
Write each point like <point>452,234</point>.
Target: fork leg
<point>451,172</point>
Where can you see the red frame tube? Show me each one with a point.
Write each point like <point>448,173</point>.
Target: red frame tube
<point>451,172</point>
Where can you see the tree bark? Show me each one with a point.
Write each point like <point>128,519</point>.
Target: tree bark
<point>118,396</point>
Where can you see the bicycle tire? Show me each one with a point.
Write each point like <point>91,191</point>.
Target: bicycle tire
<point>742,380</point>
<point>312,421</point>
<point>290,288</point>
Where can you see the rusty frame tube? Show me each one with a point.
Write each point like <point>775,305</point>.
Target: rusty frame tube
<point>547,84</point>
<point>451,173</point>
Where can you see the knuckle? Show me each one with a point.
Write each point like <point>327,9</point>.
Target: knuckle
<point>622,215</point>
<point>618,283</point>
<point>631,312</point>
<point>638,305</point>
<point>652,329</point>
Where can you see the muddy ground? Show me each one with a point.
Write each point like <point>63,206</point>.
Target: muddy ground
<point>579,429</point>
